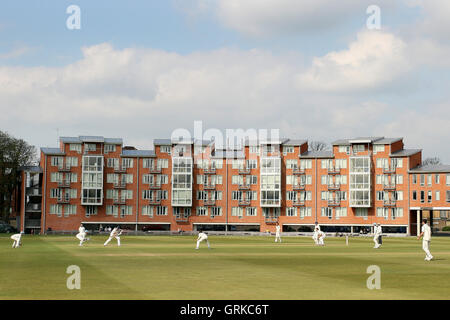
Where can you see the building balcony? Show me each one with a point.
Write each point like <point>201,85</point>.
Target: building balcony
<point>32,223</point>
<point>209,170</point>
<point>271,219</point>
<point>154,202</point>
<point>298,186</point>
<point>119,200</point>
<point>155,170</point>
<point>120,169</point>
<point>64,184</point>
<point>389,203</point>
<point>334,170</point>
<point>389,186</point>
<point>155,185</point>
<point>243,202</point>
<point>244,186</point>
<point>388,170</point>
<point>63,199</point>
<point>33,207</point>
<point>91,201</point>
<point>64,167</point>
<point>209,186</point>
<point>181,218</point>
<point>120,185</point>
<point>298,203</point>
<point>334,203</point>
<point>34,192</point>
<point>334,186</point>
<point>209,202</point>
<point>244,171</point>
<point>298,170</point>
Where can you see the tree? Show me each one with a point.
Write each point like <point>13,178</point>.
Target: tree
<point>14,153</point>
<point>431,161</point>
<point>317,146</point>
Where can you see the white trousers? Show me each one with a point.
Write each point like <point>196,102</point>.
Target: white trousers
<point>375,239</point>
<point>16,242</point>
<point>426,248</point>
<point>110,238</point>
<point>81,237</point>
<point>207,242</point>
<point>277,237</point>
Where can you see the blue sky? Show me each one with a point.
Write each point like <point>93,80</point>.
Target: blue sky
<point>309,68</point>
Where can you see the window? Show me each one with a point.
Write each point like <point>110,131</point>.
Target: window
<point>447,196</point>
<point>422,196</point>
<point>75,147</point>
<point>291,212</point>
<point>305,212</point>
<point>447,182</point>
<point>254,149</point>
<point>326,163</point>
<point>288,149</point>
<point>251,211</point>
<point>436,178</point>
<point>236,195</point>
<point>164,149</point>
<point>202,211</point>
<point>161,211</point>
<point>397,213</point>
<point>72,161</point>
<point>70,209</point>
<point>127,163</point>
<point>327,212</point>
<point>383,213</point>
<point>414,195</point>
<point>91,211</point>
<point>237,211</point>
<point>341,212</point>
<point>422,179</point>
<point>90,147</point>
<point>430,196</point>
<point>110,148</point>
<point>438,196</point>
<point>306,164</point>
<point>163,163</point>
<point>344,149</point>
<point>147,211</point>
<point>291,164</point>
<point>57,161</point>
<point>429,179</point>
<point>378,148</point>
<point>252,164</point>
<point>361,212</point>
<point>216,211</point>
<point>414,178</point>
<point>147,194</point>
<point>291,195</point>
<point>359,148</point>
<point>56,209</point>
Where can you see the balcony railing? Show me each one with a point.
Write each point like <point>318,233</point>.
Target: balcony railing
<point>34,191</point>
<point>120,200</point>
<point>334,170</point>
<point>181,218</point>
<point>90,200</point>
<point>389,186</point>
<point>119,185</point>
<point>271,219</point>
<point>63,199</point>
<point>209,202</point>
<point>298,203</point>
<point>334,203</point>
<point>64,167</point>
<point>298,186</point>
<point>33,207</point>
<point>155,185</point>
<point>389,170</point>
<point>155,201</point>
<point>32,223</point>
<point>298,170</point>
<point>155,169</point>
<point>244,170</point>
<point>334,186</point>
<point>209,186</point>
<point>244,186</point>
<point>243,202</point>
<point>389,203</point>
<point>209,170</point>
<point>120,169</point>
<point>64,184</point>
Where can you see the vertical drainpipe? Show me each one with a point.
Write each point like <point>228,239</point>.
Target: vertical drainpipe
<point>408,228</point>
<point>226,192</point>
<point>137,196</point>
<point>24,184</point>
<point>44,194</point>
<point>315,187</point>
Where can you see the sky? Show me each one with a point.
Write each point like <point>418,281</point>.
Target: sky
<point>311,69</point>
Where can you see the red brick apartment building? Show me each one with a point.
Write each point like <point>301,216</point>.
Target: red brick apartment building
<point>187,185</point>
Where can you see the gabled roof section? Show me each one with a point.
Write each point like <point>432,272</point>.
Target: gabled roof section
<point>388,140</point>
<point>405,153</point>
<point>52,151</point>
<point>294,143</point>
<point>432,168</point>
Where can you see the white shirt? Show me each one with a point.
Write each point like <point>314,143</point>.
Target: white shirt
<point>426,232</point>
<point>378,230</point>
<point>202,236</point>
<point>316,226</point>
<point>278,229</point>
<point>114,232</point>
<point>82,230</point>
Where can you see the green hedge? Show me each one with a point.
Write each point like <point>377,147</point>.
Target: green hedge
<point>446,228</point>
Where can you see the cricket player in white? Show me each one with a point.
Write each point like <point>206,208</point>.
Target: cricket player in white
<point>81,234</point>
<point>318,236</point>
<point>115,233</point>
<point>17,238</point>
<point>426,234</point>
<point>316,226</point>
<point>278,233</point>
<point>202,237</point>
<point>376,235</point>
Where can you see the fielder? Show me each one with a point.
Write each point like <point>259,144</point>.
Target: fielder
<point>115,233</point>
<point>426,234</point>
<point>316,226</point>
<point>17,239</point>
<point>202,237</point>
<point>377,230</point>
<point>318,237</point>
<point>278,233</point>
<point>81,235</point>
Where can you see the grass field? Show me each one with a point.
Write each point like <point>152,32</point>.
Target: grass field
<point>168,267</point>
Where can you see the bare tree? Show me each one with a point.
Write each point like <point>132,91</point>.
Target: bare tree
<point>431,161</point>
<point>317,146</point>
<point>14,153</point>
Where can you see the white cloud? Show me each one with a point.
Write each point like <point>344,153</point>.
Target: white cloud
<point>374,59</point>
